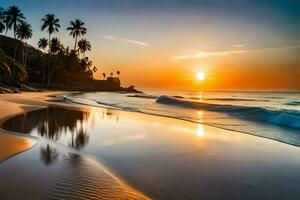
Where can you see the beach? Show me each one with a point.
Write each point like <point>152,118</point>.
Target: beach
<point>29,178</point>
<point>124,155</point>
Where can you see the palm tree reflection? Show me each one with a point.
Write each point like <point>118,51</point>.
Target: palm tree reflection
<point>80,140</point>
<point>48,154</point>
<point>53,123</point>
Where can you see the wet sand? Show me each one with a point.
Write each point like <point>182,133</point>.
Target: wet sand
<point>12,104</point>
<point>131,156</point>
<point>27,169</point>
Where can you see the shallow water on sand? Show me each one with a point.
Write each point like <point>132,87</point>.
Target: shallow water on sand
<point>164,158</point>
<point>271,115</point>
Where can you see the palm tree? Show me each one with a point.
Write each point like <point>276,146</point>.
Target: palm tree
<point>13,17</point>
<point>2,23</point>
<point>118,73</point>
<point>76,29</point>
<point>83,46</point>
<point>55,46</point>
<point>104,76</point>
<point>51,24</point>
<point>95,69</point>
<point>24,32</point>
<point>86,64</point>
<point>42,44</point>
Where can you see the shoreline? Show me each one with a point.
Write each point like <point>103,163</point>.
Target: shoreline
<point>14,146</point>
<point>218,148</point>
<point>99,105</point>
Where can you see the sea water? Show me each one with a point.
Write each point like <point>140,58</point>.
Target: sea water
<point>271,115</point>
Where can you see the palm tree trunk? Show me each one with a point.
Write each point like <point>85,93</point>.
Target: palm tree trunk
<point>49,42</point>
<point>23,54</point>
<point>52,71</point>
<point>15,52</point>
<point>75,43</point>
<point>26,56</point>
<point>49,58</point>
<point>44,68</point>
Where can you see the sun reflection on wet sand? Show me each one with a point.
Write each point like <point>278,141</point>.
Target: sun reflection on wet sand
<point>200,131</point>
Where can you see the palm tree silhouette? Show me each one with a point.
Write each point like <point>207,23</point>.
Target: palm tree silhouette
<point>13,17</point>
<point>2,17</point>
<point>76,29</point>
<point>118,73</point>
<point>55,47</point>
<point>24,32</point>
<point>51,24</point>
<point>104,76</point>
<point>42,44</point>
<point>83,46</point>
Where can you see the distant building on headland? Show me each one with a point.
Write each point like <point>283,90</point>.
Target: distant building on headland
<point>110,84</point>
<point>114,80</point>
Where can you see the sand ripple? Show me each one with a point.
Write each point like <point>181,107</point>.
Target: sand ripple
<point>84,178</point>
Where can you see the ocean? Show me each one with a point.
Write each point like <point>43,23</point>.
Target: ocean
<point>270,115</point>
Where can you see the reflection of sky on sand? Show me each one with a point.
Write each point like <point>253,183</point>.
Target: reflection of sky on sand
<point>159,155</point>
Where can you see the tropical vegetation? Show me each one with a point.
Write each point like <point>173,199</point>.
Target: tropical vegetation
<point>53,63</point>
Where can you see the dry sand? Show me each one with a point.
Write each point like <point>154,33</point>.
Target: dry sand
<point>12,104</point>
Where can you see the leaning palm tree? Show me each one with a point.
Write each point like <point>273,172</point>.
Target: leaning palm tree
<point>42,44</point>
<point>84,46</point>
<point>24,32</point>
<point>76,29</point>
<point>51,23</point>
<point>13,17</point>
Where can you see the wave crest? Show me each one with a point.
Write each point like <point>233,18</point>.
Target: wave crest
<point>288,118</point>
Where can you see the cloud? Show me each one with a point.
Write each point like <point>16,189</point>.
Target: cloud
<point>238,45</point>
<point>131,41</point>
<point>204,54</point>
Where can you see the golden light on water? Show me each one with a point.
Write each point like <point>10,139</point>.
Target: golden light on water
<point>200,131</point>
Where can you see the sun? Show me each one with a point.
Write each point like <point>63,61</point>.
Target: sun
<point>200,76</point>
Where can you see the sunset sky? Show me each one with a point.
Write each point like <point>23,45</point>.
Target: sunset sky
<point>163,44</point>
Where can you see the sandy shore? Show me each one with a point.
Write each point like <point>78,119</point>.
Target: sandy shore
<point>128,155</point>
<point>40,182</point>
<point>12,104</point>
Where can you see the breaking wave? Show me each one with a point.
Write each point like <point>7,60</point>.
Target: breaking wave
<point>288,118</point>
